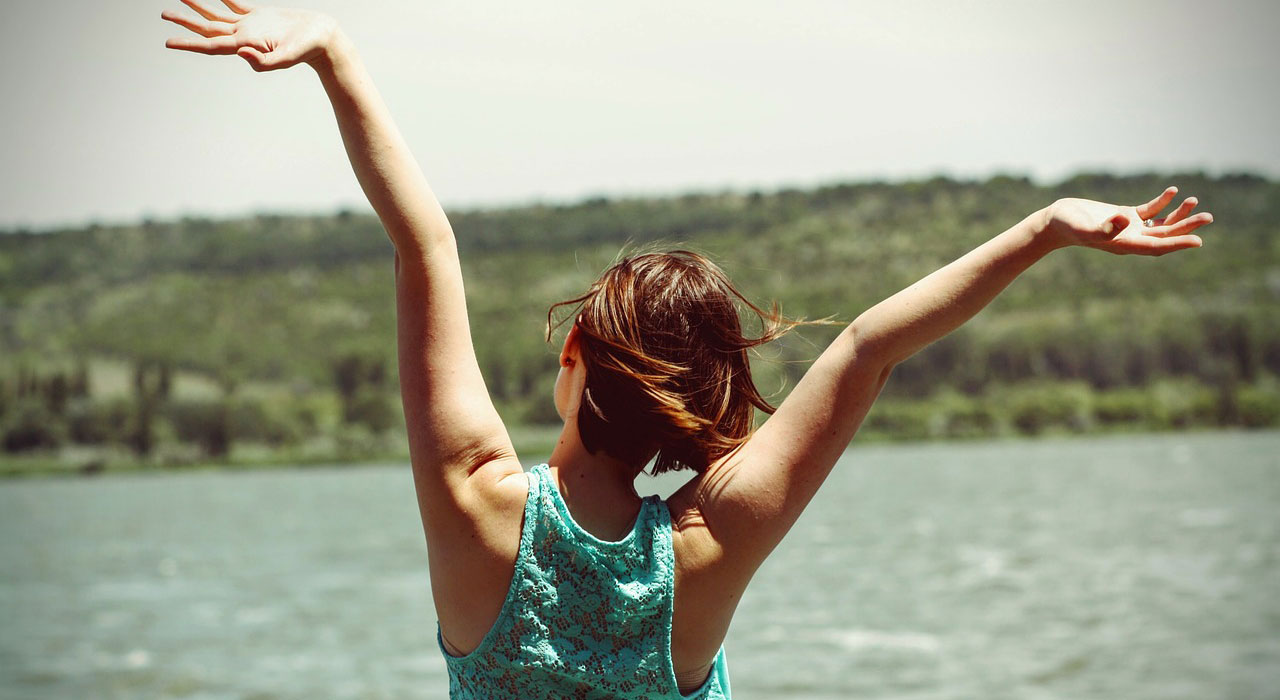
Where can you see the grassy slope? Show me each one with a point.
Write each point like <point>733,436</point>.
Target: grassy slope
<point>269,304</point>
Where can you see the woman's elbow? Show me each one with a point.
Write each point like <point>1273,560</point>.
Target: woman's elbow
<point>873,353</point>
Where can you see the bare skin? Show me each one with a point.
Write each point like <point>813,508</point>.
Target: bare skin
<point>470,486</point>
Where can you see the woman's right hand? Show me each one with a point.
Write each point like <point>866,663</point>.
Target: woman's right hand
<point>269,38</point>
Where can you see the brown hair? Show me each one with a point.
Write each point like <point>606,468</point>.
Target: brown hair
<point>666,360</point>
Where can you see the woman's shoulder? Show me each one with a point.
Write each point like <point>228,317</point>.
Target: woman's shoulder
<point>706,523</point>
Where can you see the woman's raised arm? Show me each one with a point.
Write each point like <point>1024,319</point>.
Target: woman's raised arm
<point>754,495</point>
<point>454,431</point>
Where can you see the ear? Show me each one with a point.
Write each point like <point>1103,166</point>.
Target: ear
<point>570,353</point>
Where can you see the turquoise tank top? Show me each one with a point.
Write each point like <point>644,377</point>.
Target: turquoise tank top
<point>583,618</point>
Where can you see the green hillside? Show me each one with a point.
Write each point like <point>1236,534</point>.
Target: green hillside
<point>272,338</point>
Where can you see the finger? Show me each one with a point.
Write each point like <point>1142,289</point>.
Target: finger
<point>211,15</point>
<point>1150,245</point>
<point>1179,228</point>
<point>262,61</point>
<point>1169,245</point>
<point>1153,207</point>
<point>269,60</point>
<point>215,46</point>
<point>203,28</point>
<point>255,58</point>
<point>1181,212</point>
<point>238,6</point>
<point>1114,224</point>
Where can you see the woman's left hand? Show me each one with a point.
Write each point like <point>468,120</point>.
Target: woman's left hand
<point>1125,230</point>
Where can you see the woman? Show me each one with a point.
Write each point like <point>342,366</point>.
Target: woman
<point>564,582</point>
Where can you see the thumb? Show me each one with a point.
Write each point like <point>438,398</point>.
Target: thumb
<point>257,60</point>
<point>1115,224</point>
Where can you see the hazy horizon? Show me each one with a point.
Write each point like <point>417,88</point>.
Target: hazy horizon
<point>509,105</point>
<point>363,207</point>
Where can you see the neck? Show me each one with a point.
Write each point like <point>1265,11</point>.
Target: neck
<point>599,489</point>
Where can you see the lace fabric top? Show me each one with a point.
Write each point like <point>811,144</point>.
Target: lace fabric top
<point>584,617</point>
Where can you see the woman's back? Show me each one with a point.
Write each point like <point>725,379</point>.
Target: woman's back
<point>583,616</point>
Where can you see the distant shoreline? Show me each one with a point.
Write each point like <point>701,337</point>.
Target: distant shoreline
<point>271,339</point>
<point>52,467</point>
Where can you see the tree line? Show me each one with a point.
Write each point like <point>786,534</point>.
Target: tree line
<point>272,337</point>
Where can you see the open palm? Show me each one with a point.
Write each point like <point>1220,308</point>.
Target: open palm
<point>269,38</point>
<point>1127,230</point>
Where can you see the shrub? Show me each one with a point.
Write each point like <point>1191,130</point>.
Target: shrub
<point>204,422</point>
<point>1259,405</point>
<point>371,408</point>
<point>1181,403</point>
<point>1126,407</point>
<point>273,422</point>
<point>961,416</point>
<point>904,420</point>
<point>30,425</point>
<point>92,422</point>
<point>1035,408</point>
<point>356,442</point>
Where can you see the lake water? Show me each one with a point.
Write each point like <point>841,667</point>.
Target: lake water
<point>1119,567</point>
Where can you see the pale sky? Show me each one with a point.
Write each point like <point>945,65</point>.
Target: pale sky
<point>513,102</point>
